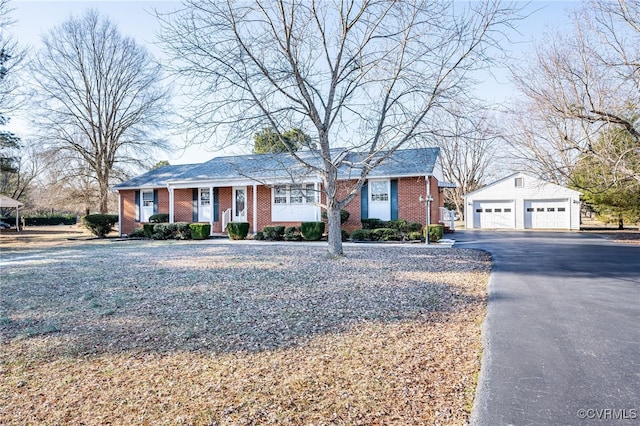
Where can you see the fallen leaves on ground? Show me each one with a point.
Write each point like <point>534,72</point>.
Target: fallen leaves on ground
<point>204,333</point>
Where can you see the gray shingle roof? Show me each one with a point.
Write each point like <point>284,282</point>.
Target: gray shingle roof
<point>259,167</point>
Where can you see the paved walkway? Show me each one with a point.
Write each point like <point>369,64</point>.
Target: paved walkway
<point>562,333</point>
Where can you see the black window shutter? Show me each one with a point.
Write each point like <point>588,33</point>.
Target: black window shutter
<point>155,201</point>
<point>216,206</point>
<point>194,209</point>
<point>136,197</point>
<point>394,199</point>
<point>364,201</point>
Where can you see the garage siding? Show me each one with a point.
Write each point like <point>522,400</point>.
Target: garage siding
<point>520,201</point>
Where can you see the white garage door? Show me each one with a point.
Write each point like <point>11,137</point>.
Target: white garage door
<point>493,214</point>
<point>546,214</point>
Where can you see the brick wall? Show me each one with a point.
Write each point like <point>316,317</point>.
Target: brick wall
<point>183,205</point>
<point>163,200</point>
<point>127,211</point>
<point>409,207</point>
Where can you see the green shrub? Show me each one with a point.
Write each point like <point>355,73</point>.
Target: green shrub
<point>292,233</point>
<point>259,236</point>
<point>414,227</point>
<point>183,231</point>
<point>273,233</point>
<point>374,223</point>
<point>164,231</point>
<point>147,230</point>
<point>345,235</point>
<point>397,224</point>
<point>414,236</point>
<point>435,232</point>
<point>167,231</point>
<point>45,219</point>
<point>237,230</point>
<point>200,231</point>
<point>100,224</point>
<point>136,233</point>
<point>312,231</point>
<point>387,234</point>
<point>362,235</point>
<point>344,216</point>
<point>159,218</point>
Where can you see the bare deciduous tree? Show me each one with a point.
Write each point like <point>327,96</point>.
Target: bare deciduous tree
<point>580,87</point>
<point>468,140</point>
<point>360,74</point>
<point>102,98</point>
<point>11,56</point>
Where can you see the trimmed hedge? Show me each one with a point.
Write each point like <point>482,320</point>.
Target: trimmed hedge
<point>159,218</point>
<point>401,225</point>
<point>273,233</point>
<point>171,231</point>
<point>100,224</point>
<point>200,231</point>
<point>384,234</point>
<point>136,233</point>
<point>435,232</point>
<point>237,230</point>
<point>292,233</point>
<point>147,229</point>
<point>362,235</point>
<point>373,223</point>
<point>45,220</point>
<point>163,231</point>
<point>312,231</point>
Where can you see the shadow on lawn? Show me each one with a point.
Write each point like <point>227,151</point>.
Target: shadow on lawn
<point>222,299</point>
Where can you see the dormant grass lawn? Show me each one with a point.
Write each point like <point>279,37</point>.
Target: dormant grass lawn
<point>138,332</point>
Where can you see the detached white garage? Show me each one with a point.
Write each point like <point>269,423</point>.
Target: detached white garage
<point>520,201</point>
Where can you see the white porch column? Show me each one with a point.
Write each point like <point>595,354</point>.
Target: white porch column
<point>171,207</point>
<point>211,211</point>
<point>255,208</point>
<point>429,207</point>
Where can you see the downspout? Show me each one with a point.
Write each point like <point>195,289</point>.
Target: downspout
<point>119,215</point>
<point>255,208</point>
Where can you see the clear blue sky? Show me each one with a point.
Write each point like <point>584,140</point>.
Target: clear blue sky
<point>134,18</point>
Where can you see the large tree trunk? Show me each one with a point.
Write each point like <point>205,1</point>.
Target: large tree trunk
<point>104,197</point>
<point>335,231</point>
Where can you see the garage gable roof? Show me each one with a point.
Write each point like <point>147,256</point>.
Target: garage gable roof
<point>529,182</point>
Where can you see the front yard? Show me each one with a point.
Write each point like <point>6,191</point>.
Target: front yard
<point>139,332</point>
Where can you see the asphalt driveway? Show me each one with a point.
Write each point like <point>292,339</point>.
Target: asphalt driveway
<point>562,332</point>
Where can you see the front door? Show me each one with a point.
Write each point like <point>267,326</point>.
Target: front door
<point>204,205</point>
<point>239,204</point>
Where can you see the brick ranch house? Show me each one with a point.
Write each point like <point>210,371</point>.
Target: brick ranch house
<point>275,189</point>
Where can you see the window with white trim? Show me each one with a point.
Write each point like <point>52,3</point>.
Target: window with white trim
<point>280,194</point>
<point>294,194</point>
<point>379,191</point>
<point>205,197</point>
<point>147,198</point>
<point>519,182</point>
